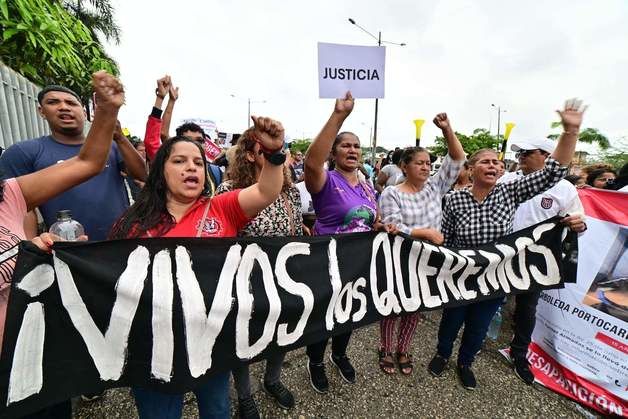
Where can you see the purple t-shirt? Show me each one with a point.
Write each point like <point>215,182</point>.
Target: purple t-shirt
<point>342,208</point>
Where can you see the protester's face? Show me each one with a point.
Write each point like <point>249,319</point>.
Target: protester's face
<point>464,176</point>
<point>418,169</point>
<point>531,160</point>
<point>193,135</point>
<point>63,112</point>
<point>348,152</point>
<point>603,179</point>
<point>256,156</point>
<point>298,156</point>
<point>501,169</point>
<point>184,172</point>
<point>141,150</point>
<point>485,170</point>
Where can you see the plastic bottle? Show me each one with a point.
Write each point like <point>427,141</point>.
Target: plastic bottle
<point>67,228</point>
<point>496,324</point>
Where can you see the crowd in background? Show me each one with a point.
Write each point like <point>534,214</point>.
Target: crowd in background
<point>164,186</point>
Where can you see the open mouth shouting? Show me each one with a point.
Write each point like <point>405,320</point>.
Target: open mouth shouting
<point>191,181</point>
<point>66,117</point>
<point>491,174</point>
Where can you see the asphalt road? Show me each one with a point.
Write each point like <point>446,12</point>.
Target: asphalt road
<point>500,394</point>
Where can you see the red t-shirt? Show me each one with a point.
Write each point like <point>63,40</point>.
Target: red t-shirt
<point>224,218</point>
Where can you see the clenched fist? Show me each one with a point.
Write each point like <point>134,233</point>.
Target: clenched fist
<point>108,91</point>
<point>269,133</point>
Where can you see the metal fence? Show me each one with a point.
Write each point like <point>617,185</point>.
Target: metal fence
<point>19,119</point>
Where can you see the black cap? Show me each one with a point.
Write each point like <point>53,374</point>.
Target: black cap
<point>56,88</point>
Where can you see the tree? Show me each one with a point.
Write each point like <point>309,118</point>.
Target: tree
<point>46,44</point>
<point>617,155</point>
<point>97,18</point>
<point>300,145</point>
<point>587,135</point>
<point>481,138</point>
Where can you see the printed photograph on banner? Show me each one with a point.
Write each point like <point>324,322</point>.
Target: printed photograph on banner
<point>609,290</point>
<point>358,69</point>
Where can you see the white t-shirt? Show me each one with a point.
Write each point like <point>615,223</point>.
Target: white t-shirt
<point>561,199</point>
<point>307,207</point>
<point>394,173</point>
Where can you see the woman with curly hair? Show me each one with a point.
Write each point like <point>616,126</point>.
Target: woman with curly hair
<point>281,218</point>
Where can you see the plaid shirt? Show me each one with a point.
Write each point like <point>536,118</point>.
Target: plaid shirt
<point>409,210</point>
<point>468,223</point>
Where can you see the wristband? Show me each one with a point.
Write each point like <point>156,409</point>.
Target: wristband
<point>277,158</point>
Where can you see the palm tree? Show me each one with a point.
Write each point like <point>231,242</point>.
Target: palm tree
<point>97,16</point>
<point>587,135</point>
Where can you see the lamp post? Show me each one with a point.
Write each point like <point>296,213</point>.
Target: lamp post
<point>248,114</point>
<point>499,115</point>
<point>379,43</point>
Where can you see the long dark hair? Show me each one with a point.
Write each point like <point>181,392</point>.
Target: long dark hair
<point>149,210</point>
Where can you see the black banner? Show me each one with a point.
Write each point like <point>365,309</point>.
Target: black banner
<point>165,313</point>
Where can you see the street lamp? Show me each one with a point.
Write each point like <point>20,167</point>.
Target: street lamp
<point>379,43</point>
<point>249,101</point>
<point>499,114</point>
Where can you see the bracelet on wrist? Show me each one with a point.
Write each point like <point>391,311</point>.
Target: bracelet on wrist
<point>277,158</point>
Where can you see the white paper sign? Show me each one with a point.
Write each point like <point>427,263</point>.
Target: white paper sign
<point>354,68</point>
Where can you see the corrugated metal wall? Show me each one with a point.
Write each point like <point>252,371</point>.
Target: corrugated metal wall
<point>19,119</point>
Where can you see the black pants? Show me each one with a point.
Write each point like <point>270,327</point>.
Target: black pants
<point>339,343</point>
<point>524,320</point>
<point>61,410</point>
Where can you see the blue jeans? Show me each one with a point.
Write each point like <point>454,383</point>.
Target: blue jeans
<point>476,318</point>
<point>212,398</point>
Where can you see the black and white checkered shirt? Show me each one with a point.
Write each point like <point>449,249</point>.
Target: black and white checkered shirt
<point>469,223</point>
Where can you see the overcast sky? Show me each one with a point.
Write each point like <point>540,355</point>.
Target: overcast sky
<point>461,56</point>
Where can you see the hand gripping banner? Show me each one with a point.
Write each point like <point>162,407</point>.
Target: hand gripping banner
<point>165,313</point>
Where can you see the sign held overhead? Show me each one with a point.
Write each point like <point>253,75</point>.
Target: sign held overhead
<point>358,69</point>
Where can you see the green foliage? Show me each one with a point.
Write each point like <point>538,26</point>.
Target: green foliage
<point>46,44</point>
<point>481,138</point>
<point>617,155</point>
<point>97,16</point>
<point>587,135</point>
<point>300,145</point>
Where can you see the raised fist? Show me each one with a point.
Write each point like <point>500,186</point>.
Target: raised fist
<point>173,92</point>
<point>163,85</point>
<point>269,132</point>
<point>108,91</point>
<point>442,121</point>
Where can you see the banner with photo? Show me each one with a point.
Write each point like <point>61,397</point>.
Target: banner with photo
<point>580,343</point>
<point>165,313</point>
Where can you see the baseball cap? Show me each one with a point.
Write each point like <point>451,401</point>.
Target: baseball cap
<point>544,144</point>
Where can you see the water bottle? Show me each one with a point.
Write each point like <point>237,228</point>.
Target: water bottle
<point>496,324</point>
<point>67,228</point>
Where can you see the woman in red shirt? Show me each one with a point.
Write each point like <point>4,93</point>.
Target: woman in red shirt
<point>174,203</point>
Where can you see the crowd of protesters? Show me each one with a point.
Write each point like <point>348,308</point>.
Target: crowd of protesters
<point>165,186</point>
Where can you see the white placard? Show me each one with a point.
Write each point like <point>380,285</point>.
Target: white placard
<point>354,68</point>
